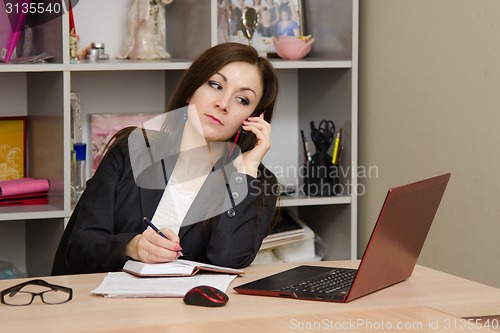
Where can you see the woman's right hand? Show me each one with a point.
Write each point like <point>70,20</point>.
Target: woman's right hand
<point>149,247</point>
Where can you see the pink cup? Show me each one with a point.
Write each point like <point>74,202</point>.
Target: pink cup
<point>292,47</point>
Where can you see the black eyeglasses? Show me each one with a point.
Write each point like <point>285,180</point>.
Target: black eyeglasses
<point>25,293</point>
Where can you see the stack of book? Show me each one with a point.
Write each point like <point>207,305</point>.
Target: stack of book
<point>291,240</point>
<point>24,191</point>
<point>290,229</point>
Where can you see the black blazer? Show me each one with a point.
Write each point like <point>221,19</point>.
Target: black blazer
<point>111,210</point>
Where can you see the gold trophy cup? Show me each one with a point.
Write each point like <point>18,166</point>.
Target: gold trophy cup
<point>249,21</point>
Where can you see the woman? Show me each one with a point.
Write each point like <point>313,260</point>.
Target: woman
<point>289,5</point>
<point>271,7</point>
<point>266,28</point>
<point>286,26</point>
<point>237,13</point>
<point>221,93</point>
<point>257,5</point>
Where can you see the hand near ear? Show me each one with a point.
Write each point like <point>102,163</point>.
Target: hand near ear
<point>249,161</point>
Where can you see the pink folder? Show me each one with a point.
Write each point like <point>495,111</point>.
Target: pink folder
<point>12,18</point>
<point>23,186</point>
<point>24,199</point>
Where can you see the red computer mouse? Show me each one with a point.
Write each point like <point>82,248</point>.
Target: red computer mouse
<point>205,296</point>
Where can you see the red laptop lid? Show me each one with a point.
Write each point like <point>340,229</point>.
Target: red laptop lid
<point>399,235</point>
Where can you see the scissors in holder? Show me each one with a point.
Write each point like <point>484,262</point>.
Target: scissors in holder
<point>323,135</point>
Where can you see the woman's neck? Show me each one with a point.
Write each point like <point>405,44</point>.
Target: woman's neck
<point>196,152</point>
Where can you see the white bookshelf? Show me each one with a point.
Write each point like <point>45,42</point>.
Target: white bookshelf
<point>321,86</point>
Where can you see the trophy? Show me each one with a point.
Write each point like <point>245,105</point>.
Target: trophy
<point>249,21</point>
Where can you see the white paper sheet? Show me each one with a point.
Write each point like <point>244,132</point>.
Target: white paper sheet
<point>121,284</point>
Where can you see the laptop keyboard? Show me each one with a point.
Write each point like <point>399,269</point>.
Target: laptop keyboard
<point>333,281</point>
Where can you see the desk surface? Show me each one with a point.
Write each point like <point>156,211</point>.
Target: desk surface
<point>429,297</point>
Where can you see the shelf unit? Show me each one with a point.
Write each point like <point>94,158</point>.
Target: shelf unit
<point>322,86</point>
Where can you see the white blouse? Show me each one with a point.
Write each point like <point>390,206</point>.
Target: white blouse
<point>175,203</point>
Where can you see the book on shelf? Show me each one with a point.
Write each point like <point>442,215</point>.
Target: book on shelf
<point>179,267</point>
<point>290,229</point>
<point>287,226</point>
<point>291,240</point>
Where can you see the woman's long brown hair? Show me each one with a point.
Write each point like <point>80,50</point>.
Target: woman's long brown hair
<point>206,65</point>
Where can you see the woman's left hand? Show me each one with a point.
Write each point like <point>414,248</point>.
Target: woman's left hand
<point>250,160</point>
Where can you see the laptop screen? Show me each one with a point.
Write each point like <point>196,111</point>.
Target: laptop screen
<point>399,235</point>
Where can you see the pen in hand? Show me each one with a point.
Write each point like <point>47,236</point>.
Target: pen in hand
<point>158,231</point>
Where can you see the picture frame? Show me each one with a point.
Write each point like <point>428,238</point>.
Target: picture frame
<point>104,126</point>
<point>272,21</point>
<point>12,147</point>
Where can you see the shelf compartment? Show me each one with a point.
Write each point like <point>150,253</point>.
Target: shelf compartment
<point>45,135</point>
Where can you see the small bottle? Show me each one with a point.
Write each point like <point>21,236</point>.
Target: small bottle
<point>79,175</point>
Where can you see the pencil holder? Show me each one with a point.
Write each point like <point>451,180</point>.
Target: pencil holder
<point>322,176</point>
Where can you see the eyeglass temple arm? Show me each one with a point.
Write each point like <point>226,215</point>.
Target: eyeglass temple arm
<point>37,282</point>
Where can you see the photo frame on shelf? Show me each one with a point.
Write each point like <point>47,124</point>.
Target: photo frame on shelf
<point>104,126</point>
<point>12,147</point>
<point>275,18</point>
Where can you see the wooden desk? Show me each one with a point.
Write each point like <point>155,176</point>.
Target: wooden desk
<point>429,297</point>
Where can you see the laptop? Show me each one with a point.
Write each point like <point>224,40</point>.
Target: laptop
<point>390,256</point>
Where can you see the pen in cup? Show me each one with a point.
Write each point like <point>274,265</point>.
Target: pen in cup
<point>158,231</point>
<point>336,147</point>
<point>307,153</point>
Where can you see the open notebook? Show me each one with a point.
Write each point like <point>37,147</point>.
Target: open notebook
<point>172,279</point>
<point>179,267</point>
